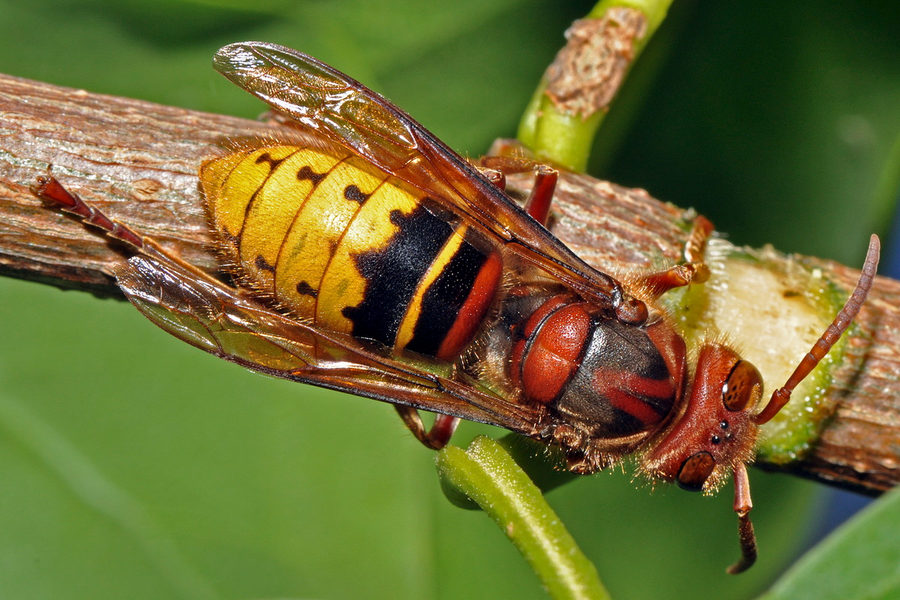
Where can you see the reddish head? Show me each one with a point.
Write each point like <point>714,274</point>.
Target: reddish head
<point>717,429</point>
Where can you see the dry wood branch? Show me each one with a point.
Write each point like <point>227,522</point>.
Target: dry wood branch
<point>138,161</point>
<point>135,160</point>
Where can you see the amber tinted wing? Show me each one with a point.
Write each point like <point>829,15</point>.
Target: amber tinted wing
<point>226,322</point>
<point>342,110</point>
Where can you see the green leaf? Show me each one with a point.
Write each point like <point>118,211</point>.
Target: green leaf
<point>859,561</point>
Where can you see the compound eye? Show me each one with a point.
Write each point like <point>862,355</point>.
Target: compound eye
<point>743,387</point>
<point>695,470</point>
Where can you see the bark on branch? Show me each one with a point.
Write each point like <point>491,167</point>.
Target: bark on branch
<point>138,161</point>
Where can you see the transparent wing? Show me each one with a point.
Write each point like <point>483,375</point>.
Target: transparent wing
<point>226,322</point>
<point>338,108</point>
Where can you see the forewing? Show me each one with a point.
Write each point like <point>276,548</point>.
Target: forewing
<point>229,324</point>
<point>342,110</point>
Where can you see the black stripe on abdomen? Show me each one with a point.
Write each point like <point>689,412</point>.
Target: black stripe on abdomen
<point>443,299</point>
<point>393,272</point>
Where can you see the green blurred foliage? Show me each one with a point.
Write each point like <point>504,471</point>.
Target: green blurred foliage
<point>134,466</point>
<point>779,121</point>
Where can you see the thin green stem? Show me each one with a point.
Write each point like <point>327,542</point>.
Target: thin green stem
<point>555,132</point>
<point>488,476</point>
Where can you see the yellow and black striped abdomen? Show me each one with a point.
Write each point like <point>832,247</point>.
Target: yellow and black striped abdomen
<point>338,242</point>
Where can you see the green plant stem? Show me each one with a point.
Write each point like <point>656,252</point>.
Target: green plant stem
<point>488,476</point>
<point>565,138</point>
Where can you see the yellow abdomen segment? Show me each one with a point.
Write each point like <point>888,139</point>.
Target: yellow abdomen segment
<point>337,242</point>
<point>344,283</point>
<point>314,235</point>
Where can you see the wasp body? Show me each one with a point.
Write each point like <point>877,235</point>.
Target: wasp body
<point>371,258</point>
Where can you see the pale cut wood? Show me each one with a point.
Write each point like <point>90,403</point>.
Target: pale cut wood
<point>138,162</point>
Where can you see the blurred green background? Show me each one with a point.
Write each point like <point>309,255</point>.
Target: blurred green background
<point>134,466</point>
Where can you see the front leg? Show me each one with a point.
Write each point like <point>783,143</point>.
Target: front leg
<point>693,270</point>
